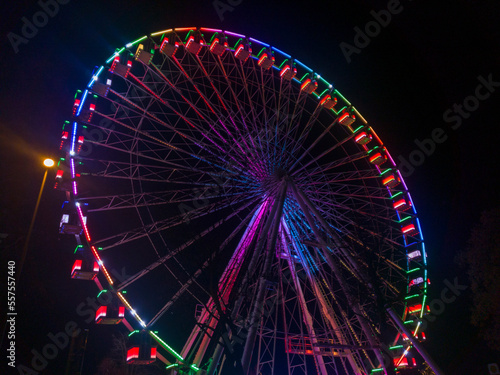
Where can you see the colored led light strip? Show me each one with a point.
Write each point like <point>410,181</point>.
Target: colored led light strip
<point>136,41</point>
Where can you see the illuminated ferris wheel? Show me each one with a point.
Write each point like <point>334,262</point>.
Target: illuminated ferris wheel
<point>262,224</point>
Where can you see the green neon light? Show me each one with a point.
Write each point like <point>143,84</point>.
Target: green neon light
<point>261,51</point>
<point>136,41</point>
<point>423,307</point>
<point>408,322</point>
<point>172,365</point>
<point>387,170</point>
<point>76,248</point>
<point>194,367</point>
<point>373,149</point>
<point>101,292</point>
<point>395,195</point>
<point>131,333</point>
<point>236,45</point>
<point>188,34</point>
<point>305,75</point>
<point>324,91</point>
<point>377,370</point>
<point>396,347</point>
<point>167,347</point>
<point>358,129</point>
<point>283,63</point>
<point>99,248</point>
<point>406,218</point>
<point>414,295</point>
<point>115,54</point>
<point>413,270</point>
<point>124,292</point>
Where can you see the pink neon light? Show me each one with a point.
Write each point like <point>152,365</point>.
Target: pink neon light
<point>234,34</point>
<point>414,254</point>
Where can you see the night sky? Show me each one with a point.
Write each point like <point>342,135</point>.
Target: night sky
<point>418,74</point>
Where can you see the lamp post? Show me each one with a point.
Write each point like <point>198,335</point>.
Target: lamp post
<point>48,163</point>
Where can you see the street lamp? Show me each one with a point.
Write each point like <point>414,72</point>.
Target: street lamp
<point>48,163</point>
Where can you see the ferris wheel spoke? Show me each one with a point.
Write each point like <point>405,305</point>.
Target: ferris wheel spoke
<point>211,107</point>
<point>179,249</point>
<point>171,222</point>
<point>128,201</point>
<point>337,163</point>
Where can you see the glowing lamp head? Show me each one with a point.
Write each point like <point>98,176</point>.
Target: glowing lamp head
<point>48,163</point>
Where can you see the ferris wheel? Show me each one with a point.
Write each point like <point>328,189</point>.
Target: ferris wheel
<point>260,222</point>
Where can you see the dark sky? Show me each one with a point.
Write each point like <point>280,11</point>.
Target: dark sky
<point>407,81</point>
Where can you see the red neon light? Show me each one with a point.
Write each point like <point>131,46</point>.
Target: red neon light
<point>415,308</point>
<point>284,70</point>
<point>59,174</point>
<point>323,101</point>
<point>101,311</point>
<point>132,353</point>
<point>400,362</point>
<point>363,138</point>
<point>77,103</point>
<point>96,267</point>
<point>153,353</point>
<point>262,58</point>
<point>343,117</point>
<point>387,180</point>
<point>121,311</point>
<point>76,266</point>
<point>92,107</point>
<point>65,135</point>
<point>306,83</point>
<point>376,158</point>
<point>399,203</point>
<point>408,228</point>
<point>80,139</point>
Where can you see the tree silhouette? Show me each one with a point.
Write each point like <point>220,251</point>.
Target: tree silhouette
<point>482,261</point>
